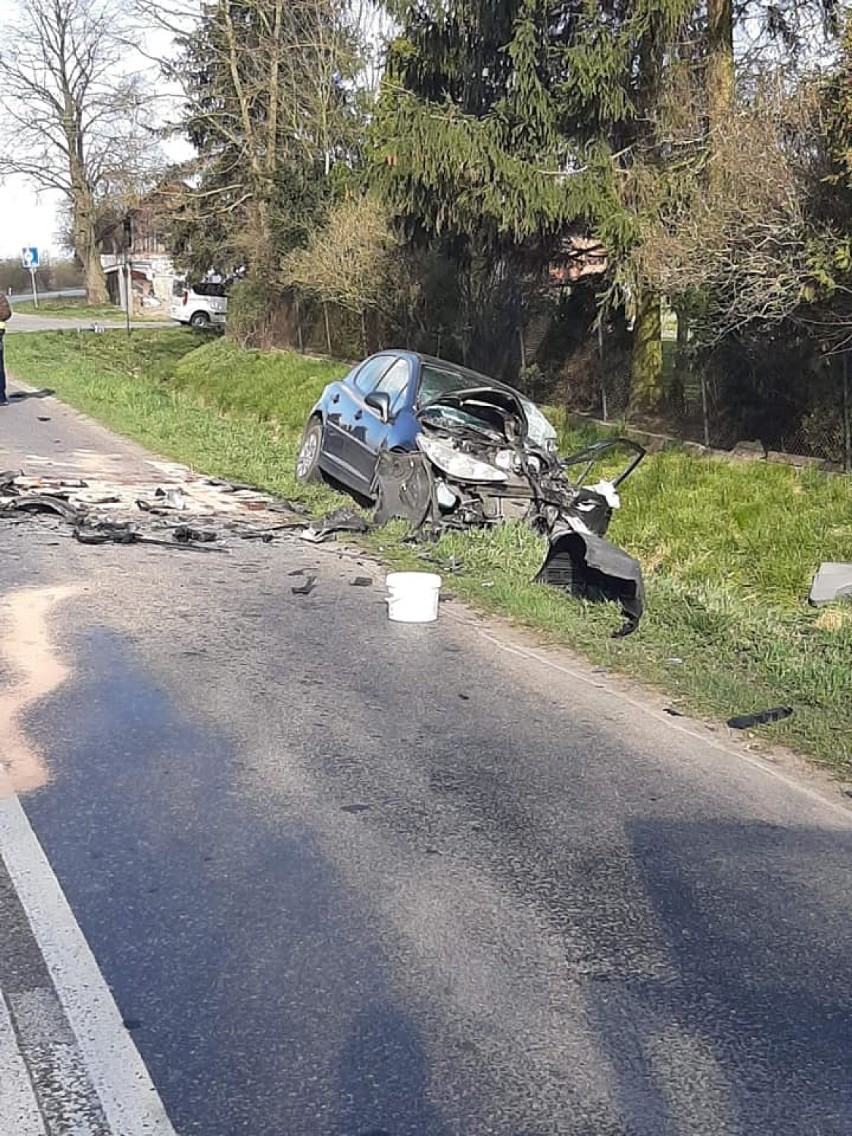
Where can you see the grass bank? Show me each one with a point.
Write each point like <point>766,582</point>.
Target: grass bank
<point>728,549</point>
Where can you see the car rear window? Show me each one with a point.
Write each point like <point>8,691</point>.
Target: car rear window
<point>208,289</point>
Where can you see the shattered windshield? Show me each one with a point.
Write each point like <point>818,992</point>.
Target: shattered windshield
<point>437,381</point>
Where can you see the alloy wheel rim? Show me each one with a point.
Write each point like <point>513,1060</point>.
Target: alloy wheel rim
<point>308,454</point>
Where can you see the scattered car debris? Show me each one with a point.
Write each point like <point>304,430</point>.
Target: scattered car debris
<point>172,499</point>
<point>236,487</point>
<point>341,520</point>
<point>147,507</point>
<point>8,477</point>
<point>268,534</point>
<point>760,718</point>
<point>306,588</point>
<point>19,396</point>
<point>22,497</point>
<point>290,507</point>
<point>670,710</point>
<point>106,532</point>
<point>184,534</point>
<point>43,503</point>
<point>832,581</point>
<point>43,418</point>
<point>362,582</point>
<point>591,568</point>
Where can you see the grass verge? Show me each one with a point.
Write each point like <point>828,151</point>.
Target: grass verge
<point>728,549</point>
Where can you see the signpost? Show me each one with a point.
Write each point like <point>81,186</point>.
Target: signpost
<point>29,259</point>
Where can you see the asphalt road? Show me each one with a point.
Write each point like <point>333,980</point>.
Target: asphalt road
<point>23,321</point>
<point>345,877</point>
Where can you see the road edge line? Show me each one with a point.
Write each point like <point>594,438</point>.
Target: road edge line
<point>121,1080</point>
<point>649,711</point>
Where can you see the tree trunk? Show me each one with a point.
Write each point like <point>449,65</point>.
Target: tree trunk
<point>86,247</point>
<point>720,74</point>
<point>647,391</point>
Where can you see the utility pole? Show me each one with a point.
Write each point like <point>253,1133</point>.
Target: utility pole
<point>847,416</point>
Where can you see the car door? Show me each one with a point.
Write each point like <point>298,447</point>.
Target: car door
<point>346,432</point>
<point>336,403</point>
<point>371,433</point>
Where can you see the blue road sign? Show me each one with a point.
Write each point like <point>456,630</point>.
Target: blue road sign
<point>29,257</point>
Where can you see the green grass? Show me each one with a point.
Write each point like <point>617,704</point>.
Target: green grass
<point>728,549</point>
<point>75,307</point>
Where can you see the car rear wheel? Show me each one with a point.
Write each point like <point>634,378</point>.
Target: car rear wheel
<point>199,319</point>
<point>307,463</point>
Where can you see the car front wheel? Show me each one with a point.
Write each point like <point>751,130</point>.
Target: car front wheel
<point>307,463</point>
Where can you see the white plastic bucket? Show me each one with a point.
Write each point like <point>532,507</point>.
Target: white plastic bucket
<point>413,596</point>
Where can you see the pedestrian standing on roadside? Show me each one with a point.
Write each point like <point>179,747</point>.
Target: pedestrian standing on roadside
<point>5,314</point>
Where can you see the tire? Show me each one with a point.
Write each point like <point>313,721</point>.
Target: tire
<point>307,463</point>
<point>199,319</point>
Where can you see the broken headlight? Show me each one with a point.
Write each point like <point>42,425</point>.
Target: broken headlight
<point>457,464</point>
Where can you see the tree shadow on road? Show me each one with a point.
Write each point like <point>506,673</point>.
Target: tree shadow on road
<point>748,1029</point>
<point>384,1079</point>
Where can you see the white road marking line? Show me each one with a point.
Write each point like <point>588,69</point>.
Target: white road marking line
<point>19,1111</point>
<point>127,1095</point>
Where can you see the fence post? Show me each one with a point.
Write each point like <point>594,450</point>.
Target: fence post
<point>327,328</point>
<point>704,413</point>
<point>847,413</point>
<point>299,326</point>
<point>604,408</point>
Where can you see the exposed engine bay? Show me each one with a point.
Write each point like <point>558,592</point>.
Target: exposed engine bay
<point>486,456</point>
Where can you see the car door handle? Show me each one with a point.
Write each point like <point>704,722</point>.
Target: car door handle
<point>358,414</point>
<point>336,398</point>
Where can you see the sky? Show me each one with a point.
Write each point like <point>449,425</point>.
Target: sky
<point>27,217</point>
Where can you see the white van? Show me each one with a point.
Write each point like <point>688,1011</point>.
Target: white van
<point>201,305</point>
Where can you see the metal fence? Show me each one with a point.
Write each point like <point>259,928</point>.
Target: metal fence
<point>808,419</point>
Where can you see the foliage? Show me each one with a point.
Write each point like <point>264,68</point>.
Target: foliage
<point>53,276</point>
<point>269,113</point>
<point>350,260</point>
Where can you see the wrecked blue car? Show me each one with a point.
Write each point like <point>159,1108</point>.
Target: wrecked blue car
<point>446,448</point>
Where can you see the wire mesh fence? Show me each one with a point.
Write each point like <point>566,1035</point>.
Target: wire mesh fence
<point>813,420</point>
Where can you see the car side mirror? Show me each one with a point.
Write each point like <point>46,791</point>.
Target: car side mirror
<point>380,402</point>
